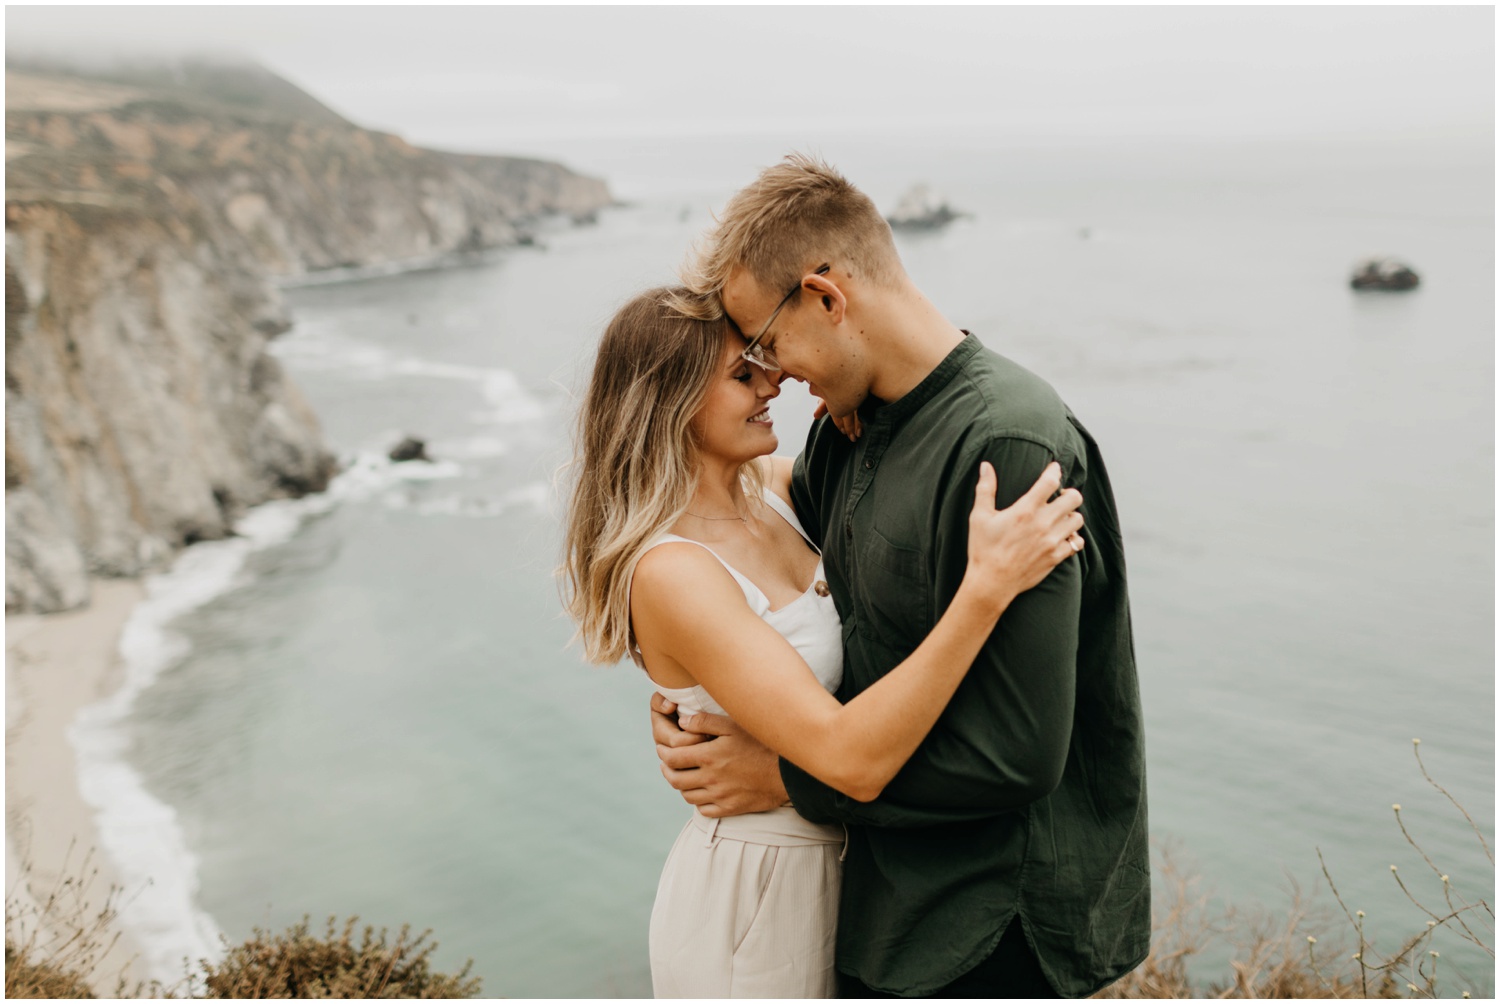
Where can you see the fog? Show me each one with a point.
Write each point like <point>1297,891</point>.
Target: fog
<point>475,77</point>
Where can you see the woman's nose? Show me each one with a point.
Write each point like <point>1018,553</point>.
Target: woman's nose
<point>769,384</point>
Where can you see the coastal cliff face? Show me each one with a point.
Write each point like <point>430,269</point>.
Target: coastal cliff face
<point>146,217</point>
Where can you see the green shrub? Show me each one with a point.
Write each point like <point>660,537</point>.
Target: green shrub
<point>296,963</point>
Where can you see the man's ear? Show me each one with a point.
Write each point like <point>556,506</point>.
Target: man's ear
<point>830,296</point>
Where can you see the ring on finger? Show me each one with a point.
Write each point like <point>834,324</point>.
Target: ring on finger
<point>1076,543</point>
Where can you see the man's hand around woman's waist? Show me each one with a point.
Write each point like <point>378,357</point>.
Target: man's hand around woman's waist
<point>730,776</point>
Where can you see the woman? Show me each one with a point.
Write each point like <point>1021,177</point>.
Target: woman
<point>683,551</point>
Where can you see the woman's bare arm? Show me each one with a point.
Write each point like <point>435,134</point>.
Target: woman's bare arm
<point>690,615</point>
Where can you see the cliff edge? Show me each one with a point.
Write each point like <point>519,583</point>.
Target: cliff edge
<point>148,210</point>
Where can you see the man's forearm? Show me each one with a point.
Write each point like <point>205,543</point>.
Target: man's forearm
<point>818,803</point>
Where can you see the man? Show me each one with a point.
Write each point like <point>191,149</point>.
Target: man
<point>1008,858</point>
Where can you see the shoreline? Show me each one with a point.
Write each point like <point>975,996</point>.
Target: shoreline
<point>55,665</point>
<point>71,677</point>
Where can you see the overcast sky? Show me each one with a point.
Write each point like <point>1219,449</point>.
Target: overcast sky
<point>495,78</point>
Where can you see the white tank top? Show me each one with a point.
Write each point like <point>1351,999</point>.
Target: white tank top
<point>810,623</point>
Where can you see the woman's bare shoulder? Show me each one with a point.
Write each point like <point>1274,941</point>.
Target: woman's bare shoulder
<point>683,600</point>
<point>676,569</point>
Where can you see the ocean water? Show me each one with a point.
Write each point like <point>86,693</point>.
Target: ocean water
<point>367,704</point>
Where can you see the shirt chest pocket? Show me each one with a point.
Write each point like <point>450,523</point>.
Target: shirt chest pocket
<point>896,590</point>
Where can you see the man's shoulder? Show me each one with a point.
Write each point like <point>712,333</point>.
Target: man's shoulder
<point>997,398</point>
<point>991,399</point>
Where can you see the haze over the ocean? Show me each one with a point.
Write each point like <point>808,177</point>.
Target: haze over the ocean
<point>526,77</point>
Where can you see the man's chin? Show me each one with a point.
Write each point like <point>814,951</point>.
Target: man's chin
<point>840,409</point>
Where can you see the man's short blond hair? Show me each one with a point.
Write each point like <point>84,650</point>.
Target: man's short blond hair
<point>793,213</point>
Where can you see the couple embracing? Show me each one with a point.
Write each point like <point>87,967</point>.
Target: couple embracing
<point>895,677</point>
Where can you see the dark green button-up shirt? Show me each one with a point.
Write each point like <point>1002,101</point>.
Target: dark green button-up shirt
<point>1028,799</point>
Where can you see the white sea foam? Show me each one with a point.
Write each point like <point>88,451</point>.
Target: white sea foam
<point>354,273</point>
<point>507,401</point>
<point>537,495</point>
<point>473,448</point>
<point>534,496</point>
<point>368,473</point>
<point>141,834</point>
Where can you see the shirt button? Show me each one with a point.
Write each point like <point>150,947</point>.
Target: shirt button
<point>820,587</point>
<point>869,465</point>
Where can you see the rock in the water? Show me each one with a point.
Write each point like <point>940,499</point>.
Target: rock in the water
<point>919,209</point>
<point>409,448</point>
<point>1384,273</point>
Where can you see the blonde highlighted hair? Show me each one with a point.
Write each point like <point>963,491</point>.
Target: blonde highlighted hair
<point>791,218</point>
<point>635,456</point>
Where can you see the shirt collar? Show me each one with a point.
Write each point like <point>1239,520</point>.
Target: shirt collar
<point>899,410</point>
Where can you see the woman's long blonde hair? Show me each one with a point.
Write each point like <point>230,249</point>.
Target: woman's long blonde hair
<point>635,456</point>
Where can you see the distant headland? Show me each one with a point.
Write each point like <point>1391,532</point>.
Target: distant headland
<point>150,207</point>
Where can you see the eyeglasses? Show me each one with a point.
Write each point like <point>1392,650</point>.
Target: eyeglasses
<point>763,357</point>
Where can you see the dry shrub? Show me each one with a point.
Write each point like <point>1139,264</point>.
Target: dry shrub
<point>1415,964</point>
<point>27,980</point>
<point>1268,956</point>
<point>1283,957</point>
<point>297,963</point>
<point>56,937</point>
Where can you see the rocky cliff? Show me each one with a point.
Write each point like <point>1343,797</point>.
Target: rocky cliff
<point>148,210</point>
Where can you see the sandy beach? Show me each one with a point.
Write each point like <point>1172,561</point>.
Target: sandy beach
<point>55,665</point>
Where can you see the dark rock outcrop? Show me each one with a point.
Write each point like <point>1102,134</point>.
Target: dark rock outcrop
<point>409,448</point>
<point>1384,274</point>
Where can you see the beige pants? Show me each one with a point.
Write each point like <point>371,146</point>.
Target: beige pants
<point>747,907</point>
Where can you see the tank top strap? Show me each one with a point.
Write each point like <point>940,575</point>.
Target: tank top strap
<point>753,596</point>
<point>746,584</point>
<point>786,512</point>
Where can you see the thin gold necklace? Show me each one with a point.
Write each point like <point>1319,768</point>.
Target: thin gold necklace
<point>740,518</point>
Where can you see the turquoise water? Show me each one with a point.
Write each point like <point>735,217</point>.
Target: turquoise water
<point>383,716</point>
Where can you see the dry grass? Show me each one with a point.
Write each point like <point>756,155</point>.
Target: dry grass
<point>41,981</point>
<point>1305,953</point>
<point>1414,966</point>
<point>56,936</point>
<point>1268,956</point>
<point>297,963</point>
